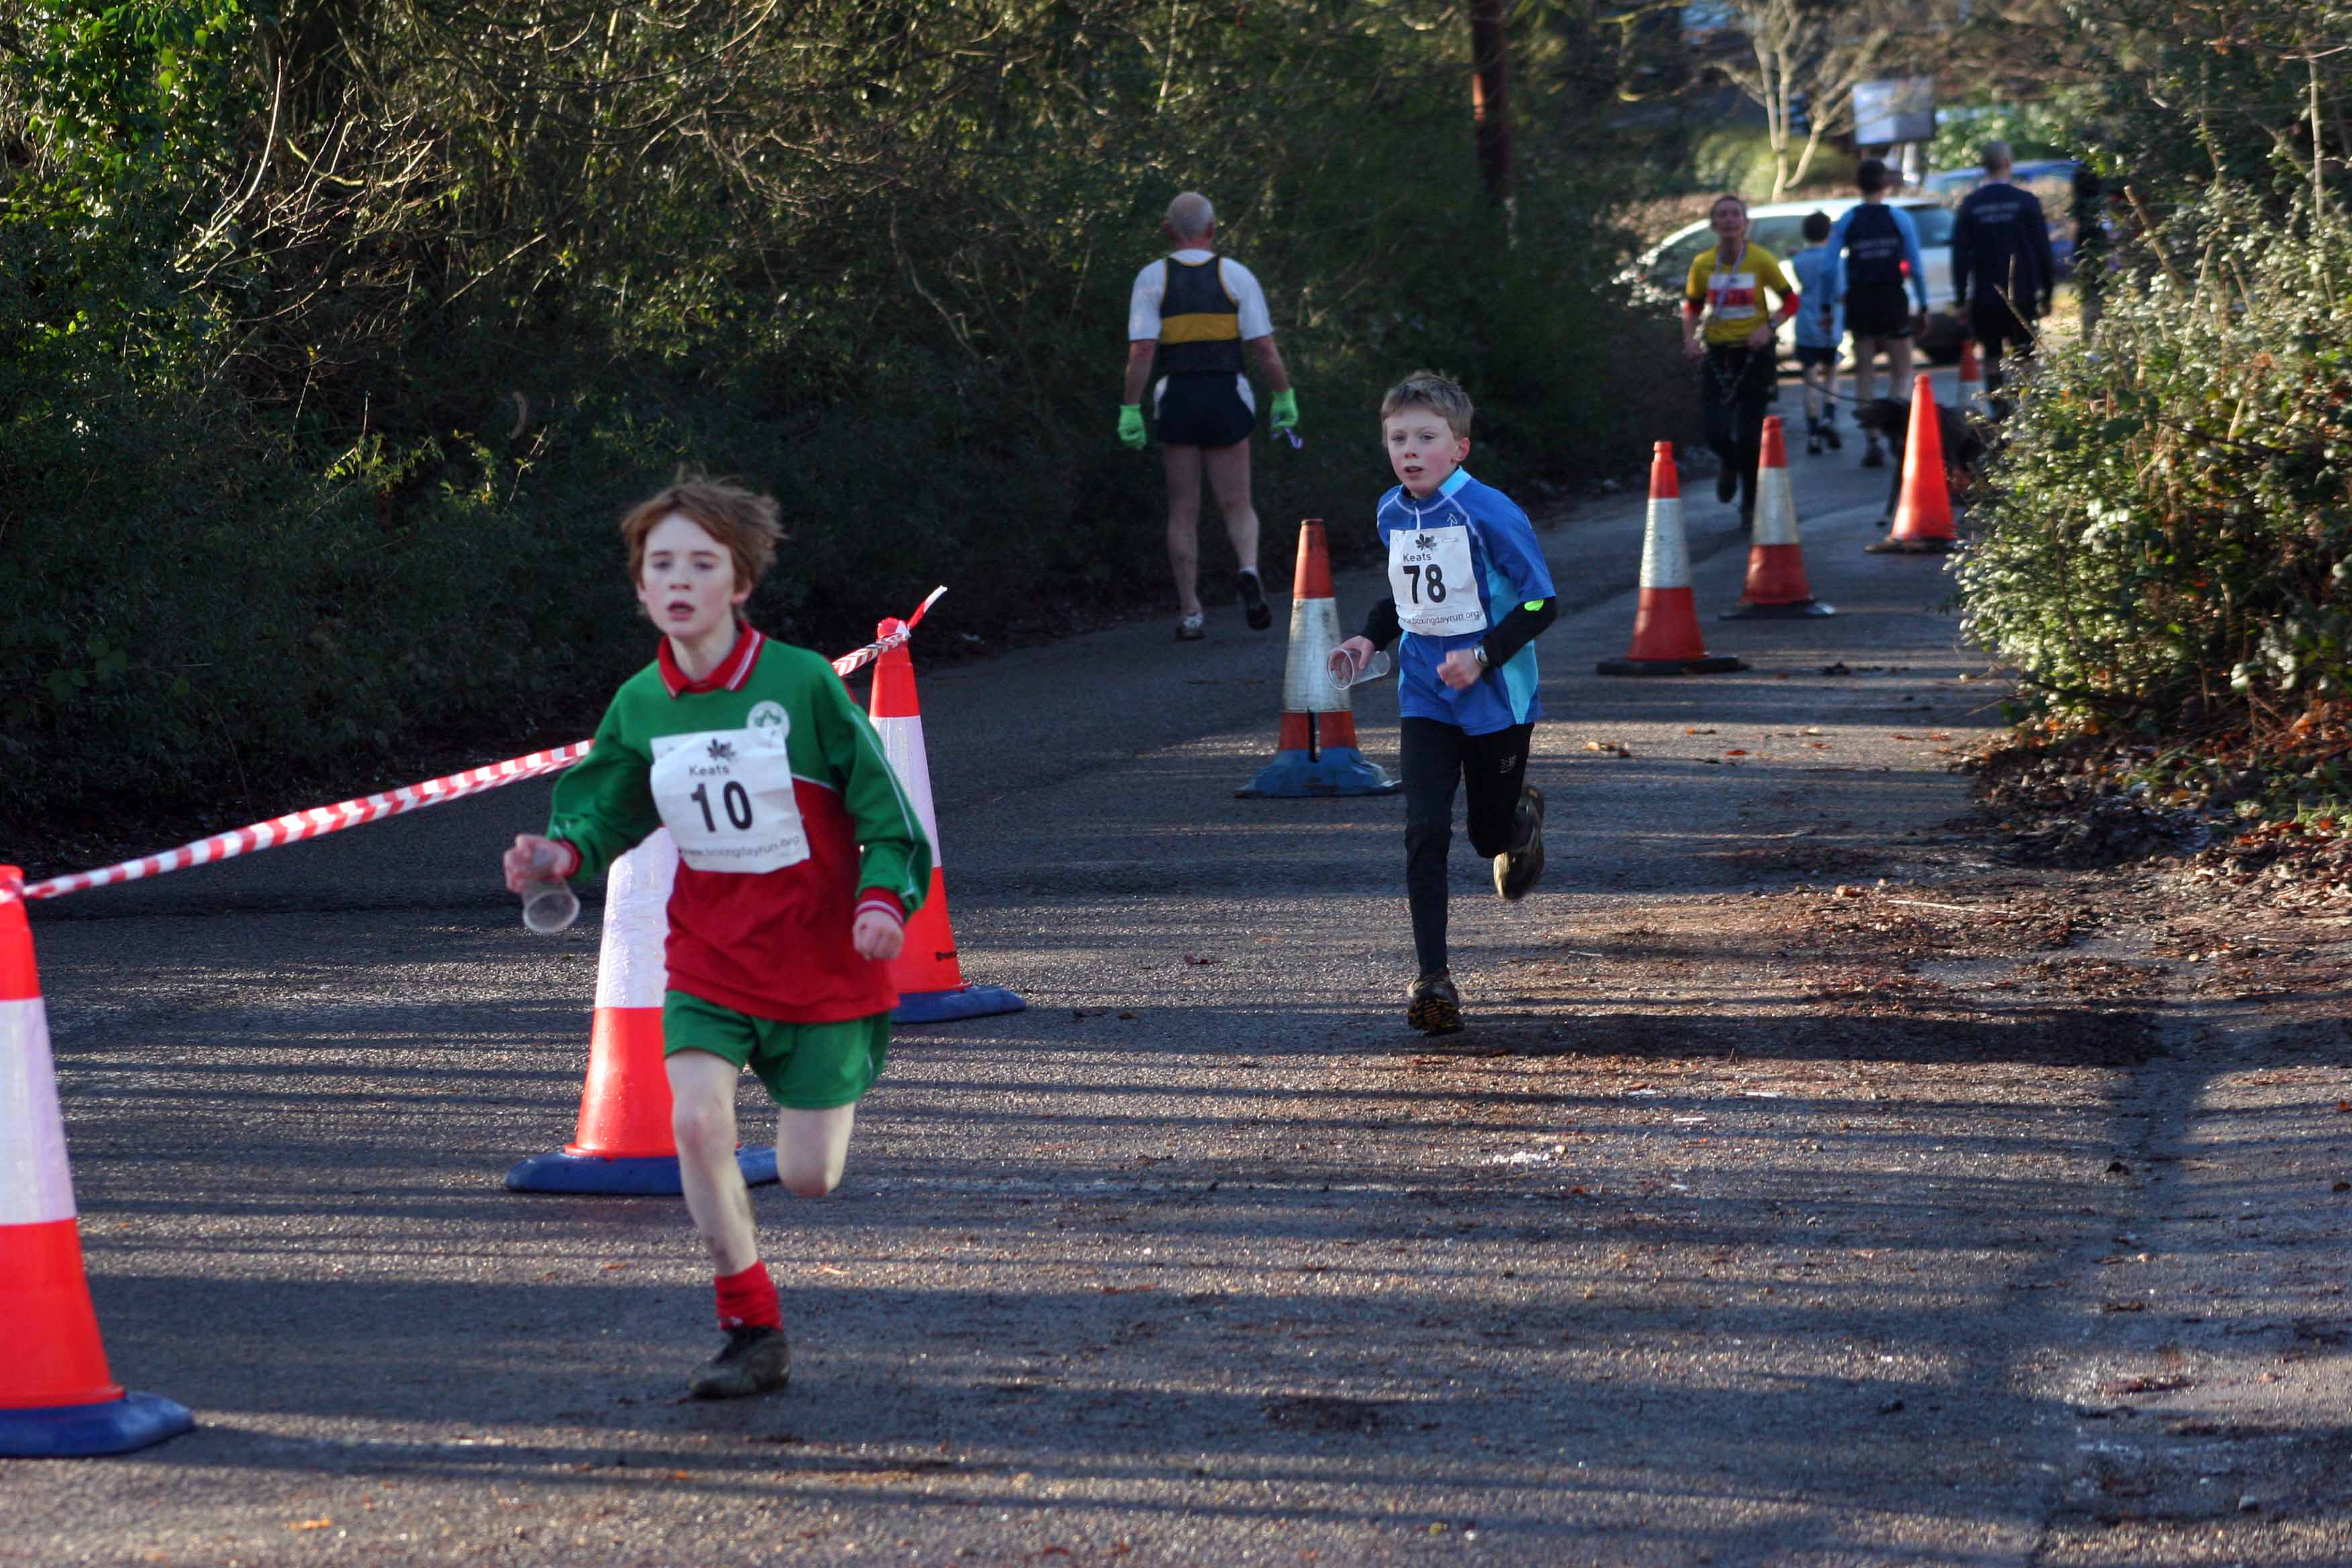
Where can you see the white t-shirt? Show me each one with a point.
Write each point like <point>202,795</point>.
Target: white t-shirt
<point>1151,286</point>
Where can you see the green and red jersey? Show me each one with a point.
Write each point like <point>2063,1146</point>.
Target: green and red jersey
<point>789,821</point>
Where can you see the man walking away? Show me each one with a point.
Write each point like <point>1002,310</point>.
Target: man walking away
<point>2003,270</point>
<point>1189,317</point>
<point>1875,250</point>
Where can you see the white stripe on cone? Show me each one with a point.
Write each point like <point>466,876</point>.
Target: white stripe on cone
<point>633,964</point>
<point>1776,507</point>
<point>1306,683</point>
<point>1665,554</point>
<point>36,1187</point>
<point>902,744</point>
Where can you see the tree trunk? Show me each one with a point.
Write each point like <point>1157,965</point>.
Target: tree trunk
<point>1490,97</point>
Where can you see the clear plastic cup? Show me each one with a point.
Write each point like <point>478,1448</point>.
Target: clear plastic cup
<point>1376,666</point>
<point>549,905</point>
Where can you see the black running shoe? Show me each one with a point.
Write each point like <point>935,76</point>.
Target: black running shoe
<point>1727,482</point>
<point>1872,457</point>
<point>754,1360</point>
<point>1433,1005</point>
<point>1813,445</point>
<point>1518,870</point>
<point>1829,433</point>
<point>1254,604</point>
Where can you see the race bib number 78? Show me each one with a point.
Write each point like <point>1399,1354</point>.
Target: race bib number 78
<point>1434,581</point>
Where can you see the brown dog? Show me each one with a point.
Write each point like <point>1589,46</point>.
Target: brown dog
<point>1964,442</point>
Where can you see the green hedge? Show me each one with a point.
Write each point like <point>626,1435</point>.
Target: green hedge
<point>2167,540</point>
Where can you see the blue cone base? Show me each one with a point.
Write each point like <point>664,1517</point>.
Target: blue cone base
<point>966,1001</point>
<point>83,1431</point>
<point>1340,769</point>
<point>1800,609</point>
<point>653,1177</point>
<point>1719,664</point>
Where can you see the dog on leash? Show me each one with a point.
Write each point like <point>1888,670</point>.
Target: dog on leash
<point>1964,442</point>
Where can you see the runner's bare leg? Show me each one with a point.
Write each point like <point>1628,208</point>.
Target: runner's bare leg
<point>1898,369</point>
<point>813,1148</point>
<point>1865,367</point>
<point>702,1119</point>
<point>1183,465</point>
<point>1229,481</point>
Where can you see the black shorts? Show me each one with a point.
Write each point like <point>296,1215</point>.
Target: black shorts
<point>1809,354</point>
<point>1996,327</point>
<point>1878,310</point>
<point>1202,410</point>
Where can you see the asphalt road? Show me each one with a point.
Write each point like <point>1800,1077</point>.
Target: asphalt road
<point>1682,1254</point>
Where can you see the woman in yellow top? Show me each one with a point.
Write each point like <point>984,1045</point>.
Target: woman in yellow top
<point>1726,326</point>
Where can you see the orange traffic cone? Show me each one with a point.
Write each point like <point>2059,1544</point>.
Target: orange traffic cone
<point>1923,518</point>
<point>1665,626</point>
<point>1971,399</point>
<point>58,1400</point>
<point>1777,588</point>
<point>623,1143</point>
<point>1314,751</point>
<point>932,986</point>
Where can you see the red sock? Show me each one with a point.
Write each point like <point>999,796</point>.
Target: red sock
<point>748,1299</point>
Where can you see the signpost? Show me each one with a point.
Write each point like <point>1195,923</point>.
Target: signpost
<point>1897,113</point>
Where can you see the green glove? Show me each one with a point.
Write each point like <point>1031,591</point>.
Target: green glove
<point>1130,426</point>
<point>1284,412</point>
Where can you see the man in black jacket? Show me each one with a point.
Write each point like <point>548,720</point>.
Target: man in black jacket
<point>2003,270</point>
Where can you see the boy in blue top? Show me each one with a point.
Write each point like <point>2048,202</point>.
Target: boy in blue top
<point>1875,249</point>
<point>1818,334</point>
<point>1468,592</point>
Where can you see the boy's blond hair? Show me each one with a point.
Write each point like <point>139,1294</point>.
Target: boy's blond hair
<point>745,524</point>
<point>1441,394</point>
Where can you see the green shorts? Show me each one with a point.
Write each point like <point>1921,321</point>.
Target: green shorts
<point>806,1067</point>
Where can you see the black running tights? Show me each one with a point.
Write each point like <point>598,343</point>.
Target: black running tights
<point>1436,757</point>
<point>1734,383</point>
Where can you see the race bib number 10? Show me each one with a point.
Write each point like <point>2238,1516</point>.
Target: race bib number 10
<point>1431,575</point>
<point>726,796</point>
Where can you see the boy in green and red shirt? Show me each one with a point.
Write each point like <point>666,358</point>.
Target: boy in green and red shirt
<point>800,858</point>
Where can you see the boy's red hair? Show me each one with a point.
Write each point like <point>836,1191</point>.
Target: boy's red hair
<point>745,524</point>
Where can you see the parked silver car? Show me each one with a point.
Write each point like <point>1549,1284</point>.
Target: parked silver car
<point>1778,228</point>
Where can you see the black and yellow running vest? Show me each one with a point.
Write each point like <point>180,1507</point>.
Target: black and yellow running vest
<point>1200,322</point>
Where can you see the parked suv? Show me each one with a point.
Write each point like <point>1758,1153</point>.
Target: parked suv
<point>1778,228</point>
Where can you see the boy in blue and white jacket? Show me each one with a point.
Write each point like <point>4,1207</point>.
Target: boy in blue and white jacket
<point>1819,332</point>
<point>1469,591</point>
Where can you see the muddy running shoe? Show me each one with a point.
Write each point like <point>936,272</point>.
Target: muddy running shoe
<point>752,1361</point>
<point>1874,456</point>
<point>1254,605</point>
<point>1516,870</point>
<point>1191,629</point>
<point>1727,482</point>
<point>1433,1005</point>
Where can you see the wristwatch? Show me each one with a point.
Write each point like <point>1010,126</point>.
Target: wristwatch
<point>1479,652</point>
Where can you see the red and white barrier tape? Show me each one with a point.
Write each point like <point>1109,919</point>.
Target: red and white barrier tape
<point>319,820</point>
